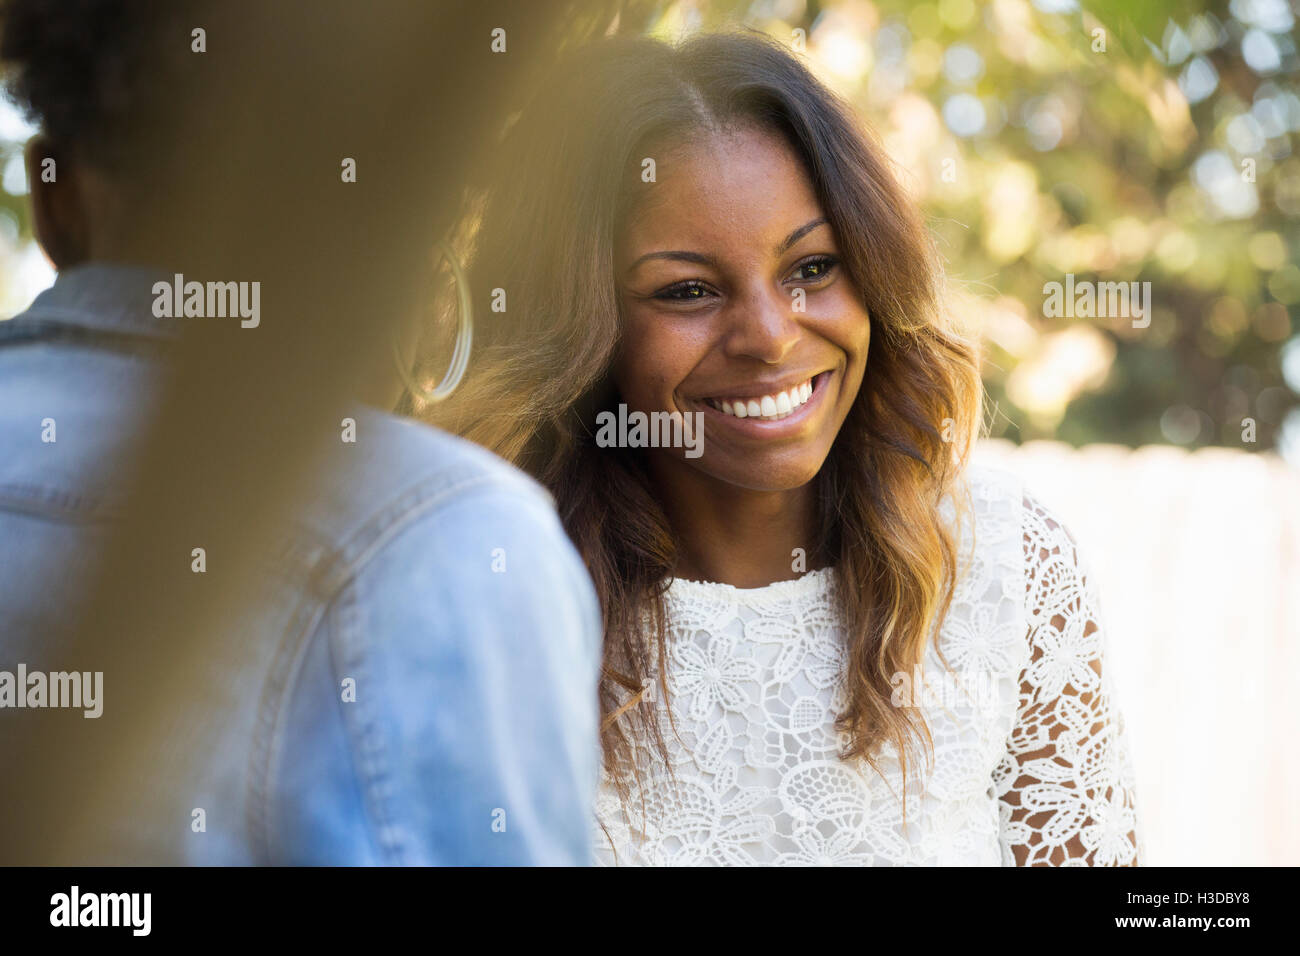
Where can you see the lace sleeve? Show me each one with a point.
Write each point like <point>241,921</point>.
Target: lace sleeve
<point>1065,786</point>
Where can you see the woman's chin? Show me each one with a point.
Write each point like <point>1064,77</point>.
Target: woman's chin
<point>762,476</point>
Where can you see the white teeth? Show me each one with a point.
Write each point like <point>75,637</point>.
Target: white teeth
<point>770,407</point>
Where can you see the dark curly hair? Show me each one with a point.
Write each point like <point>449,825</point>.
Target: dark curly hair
<point>98,74</point>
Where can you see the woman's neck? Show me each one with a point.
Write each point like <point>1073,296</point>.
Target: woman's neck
<point>734,535</point>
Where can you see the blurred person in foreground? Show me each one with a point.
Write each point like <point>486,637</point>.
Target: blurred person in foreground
<point>827,639</point>
<point>411,677</point>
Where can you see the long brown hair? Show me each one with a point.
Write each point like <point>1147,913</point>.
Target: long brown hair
<point>542,247</point>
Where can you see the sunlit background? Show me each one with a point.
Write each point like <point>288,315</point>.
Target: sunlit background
<point>1112,141</point>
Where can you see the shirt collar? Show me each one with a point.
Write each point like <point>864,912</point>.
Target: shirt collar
<point>106,297</point>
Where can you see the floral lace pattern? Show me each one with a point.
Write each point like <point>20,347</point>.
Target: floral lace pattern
<point>1031,764</point>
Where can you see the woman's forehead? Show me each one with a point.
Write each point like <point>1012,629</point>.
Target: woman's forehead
<point>741,185</point>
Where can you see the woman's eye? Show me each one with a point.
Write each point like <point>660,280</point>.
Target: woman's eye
<point>683,292</point>
<point>814,269</point>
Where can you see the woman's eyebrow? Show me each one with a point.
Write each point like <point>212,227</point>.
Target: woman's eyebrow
<point>799,233</point>
<point>677,256</point>
<point>698,258</point>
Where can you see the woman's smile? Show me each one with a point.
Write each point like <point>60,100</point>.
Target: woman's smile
<point>768,412</point>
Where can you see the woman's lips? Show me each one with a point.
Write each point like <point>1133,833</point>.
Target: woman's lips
<point>770,407</point>
<point>772,415</point>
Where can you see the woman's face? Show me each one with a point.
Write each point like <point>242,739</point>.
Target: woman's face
<point>735,305</point>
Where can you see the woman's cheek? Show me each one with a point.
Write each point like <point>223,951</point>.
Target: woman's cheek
<point>844,325</point>
<point>639,374</point>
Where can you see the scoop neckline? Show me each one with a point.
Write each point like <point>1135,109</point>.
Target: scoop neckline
<point>808,581</point>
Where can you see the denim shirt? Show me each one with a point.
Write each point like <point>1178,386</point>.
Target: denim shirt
<point>472,738</point>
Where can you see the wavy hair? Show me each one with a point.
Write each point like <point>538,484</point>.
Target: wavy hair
<point>544,237</point>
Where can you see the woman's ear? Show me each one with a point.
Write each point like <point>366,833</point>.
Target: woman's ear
<point>59,214</point>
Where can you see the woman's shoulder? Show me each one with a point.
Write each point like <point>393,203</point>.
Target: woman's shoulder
<point>985,505</point>
<point>992,487</point>
<point>999,496</point>
<point>1026,536</point>
<point>1012,525</point>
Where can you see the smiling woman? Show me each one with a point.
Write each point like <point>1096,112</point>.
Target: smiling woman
<point>762,598</point>
<point>757,325</point>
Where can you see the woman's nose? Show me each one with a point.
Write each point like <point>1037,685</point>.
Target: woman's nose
<point>762,324</point>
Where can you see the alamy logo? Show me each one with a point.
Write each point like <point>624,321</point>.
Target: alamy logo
<point>656,430</point>
<point>209,300</point>
<point>57,689</point>
<point>945,690</point>
<point>75,908</point>
<point>1098,300</point>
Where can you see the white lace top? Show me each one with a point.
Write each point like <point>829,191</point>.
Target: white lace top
<point>1030,766</point>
